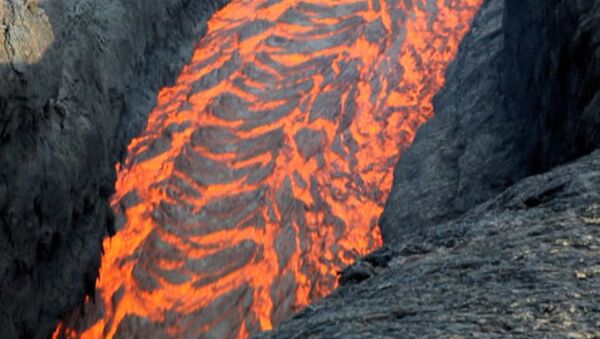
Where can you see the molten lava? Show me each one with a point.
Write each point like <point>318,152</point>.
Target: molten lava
<point>262,172</point>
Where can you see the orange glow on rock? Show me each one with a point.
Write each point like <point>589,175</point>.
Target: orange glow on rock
<point>262,172</point>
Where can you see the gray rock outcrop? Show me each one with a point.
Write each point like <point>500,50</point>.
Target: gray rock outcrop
<point>77,79</point>
<point>521,97</point>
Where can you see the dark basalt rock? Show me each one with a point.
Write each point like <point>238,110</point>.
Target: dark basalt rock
<point>522,96</point>
<point>478,242</point>
<point>77,79</point>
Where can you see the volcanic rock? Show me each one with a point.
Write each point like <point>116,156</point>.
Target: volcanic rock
<point>522,96</point>
<point>77,79</point>
<point>505,269</point>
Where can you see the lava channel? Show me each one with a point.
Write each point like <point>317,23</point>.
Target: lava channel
<point>262,172</point>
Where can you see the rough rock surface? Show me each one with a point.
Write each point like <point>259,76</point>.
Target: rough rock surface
<point>76,80</point>
<point>522,96</point>
<point>525,264</point>
<point>473,248</point>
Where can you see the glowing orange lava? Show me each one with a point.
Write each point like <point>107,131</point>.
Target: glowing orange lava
<point>262,172</point>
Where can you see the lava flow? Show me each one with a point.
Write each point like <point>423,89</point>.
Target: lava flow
<point>262,172</point>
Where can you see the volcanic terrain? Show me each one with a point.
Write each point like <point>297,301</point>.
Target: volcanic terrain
<point>332,168</point>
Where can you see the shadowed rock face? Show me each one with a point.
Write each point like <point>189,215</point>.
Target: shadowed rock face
<point>77,79</point>
<point>522,96</point>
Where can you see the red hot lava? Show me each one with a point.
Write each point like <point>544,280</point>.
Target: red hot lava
<point>262,172</point>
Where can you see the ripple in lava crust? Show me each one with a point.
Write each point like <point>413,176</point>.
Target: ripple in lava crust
<point>262,172</point>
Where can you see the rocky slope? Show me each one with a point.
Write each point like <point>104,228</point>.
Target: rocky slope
<point>465,254</point>
<point>525,264</point>
<point>76,80</point>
